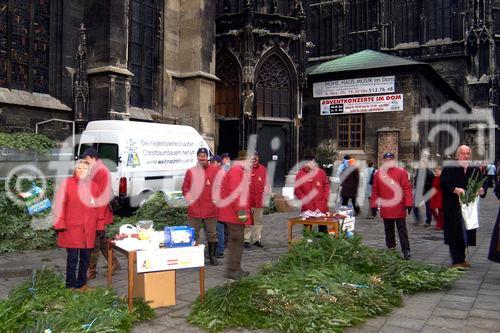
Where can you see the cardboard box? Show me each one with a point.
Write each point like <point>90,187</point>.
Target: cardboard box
<point>282,204</point>
<point>156,288</point>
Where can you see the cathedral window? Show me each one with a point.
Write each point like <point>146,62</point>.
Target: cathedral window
<point>227,94</point>
<point>24,44</point>
<point>145,35</point>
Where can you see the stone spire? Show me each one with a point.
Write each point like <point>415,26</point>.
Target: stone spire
<point>80,83</point>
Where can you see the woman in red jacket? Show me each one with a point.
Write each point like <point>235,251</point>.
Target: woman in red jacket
<point>312,188</point>
<point>436,201</point>
<point>234,210</point>
<point>76,222</point>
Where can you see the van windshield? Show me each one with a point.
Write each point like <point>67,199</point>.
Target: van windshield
<point>108,152</point>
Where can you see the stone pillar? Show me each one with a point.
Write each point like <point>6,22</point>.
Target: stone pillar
<point>109,78</point>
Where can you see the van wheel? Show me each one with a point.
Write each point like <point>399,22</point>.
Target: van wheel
<point>141,199</point>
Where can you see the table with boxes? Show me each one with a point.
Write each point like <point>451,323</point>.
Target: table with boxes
<point>152,269</point>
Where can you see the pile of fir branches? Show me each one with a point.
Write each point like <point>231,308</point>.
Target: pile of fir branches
<point>44,304</point>
<point>323,286</point>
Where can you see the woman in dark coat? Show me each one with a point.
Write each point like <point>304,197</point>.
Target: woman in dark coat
<point>494,254</point>
<point>453,183</point>
<point>350,185</point>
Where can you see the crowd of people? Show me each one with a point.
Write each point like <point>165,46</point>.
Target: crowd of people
<point>227,199</point>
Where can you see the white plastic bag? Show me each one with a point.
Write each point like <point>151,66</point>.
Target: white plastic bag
<point>470,214</point>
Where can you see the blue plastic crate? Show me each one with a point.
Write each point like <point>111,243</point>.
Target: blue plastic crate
<point>179,236</point>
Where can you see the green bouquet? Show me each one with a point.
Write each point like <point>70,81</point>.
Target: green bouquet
<point>474,184</point>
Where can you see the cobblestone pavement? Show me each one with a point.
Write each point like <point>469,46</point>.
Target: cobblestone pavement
<point>472,304</point>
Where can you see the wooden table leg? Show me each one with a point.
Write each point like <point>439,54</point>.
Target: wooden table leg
<point>290,225</point>
<point>202,283</point>
<point>110,263</point>
<point>131,261</point>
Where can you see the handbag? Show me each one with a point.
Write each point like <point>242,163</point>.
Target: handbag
<point>470,214</point>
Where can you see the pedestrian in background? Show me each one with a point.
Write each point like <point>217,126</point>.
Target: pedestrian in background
<point>349,185</point>
<point>312,188</point>
<point>101,176</point>
<point>436,200</point>
<point>392,192</point>
<point>423,176</point>
<point>217,162</point>
<point>226,162</point>
<point>494,252</point>
<point>454,180</point>
<point>259,188</point>
<point>202,210</point>
<point>236,211</point>
<point>491,172</point>
<point>370,176</point>
<point>76,221</point>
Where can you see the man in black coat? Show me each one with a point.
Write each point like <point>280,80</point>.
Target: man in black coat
<point>454,180</point>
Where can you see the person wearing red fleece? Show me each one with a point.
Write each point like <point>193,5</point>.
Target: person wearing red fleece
<point>76,220</point>
<point>312,188</point>
<point>392,192</point>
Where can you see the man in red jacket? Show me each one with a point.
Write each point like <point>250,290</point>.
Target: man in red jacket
<point>100,174</point>
<point>258,189</point>
<point>197,190</point>
<point>392,192</point>
<point>312,188</point>
<point>234,210</point>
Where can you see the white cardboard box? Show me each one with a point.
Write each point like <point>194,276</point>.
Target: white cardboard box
<point>170,258</point>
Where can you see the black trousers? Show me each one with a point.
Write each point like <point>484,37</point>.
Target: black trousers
<point>80,258</point>
<point>390,236</point>
<point>457,251</point>
<point>235,246</point>
<point>345,202</point>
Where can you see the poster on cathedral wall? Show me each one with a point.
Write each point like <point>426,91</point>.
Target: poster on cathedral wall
<point>365,104</point>
<point>358,86</point>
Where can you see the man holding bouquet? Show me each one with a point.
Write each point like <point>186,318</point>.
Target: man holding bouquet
<point>460,181</point>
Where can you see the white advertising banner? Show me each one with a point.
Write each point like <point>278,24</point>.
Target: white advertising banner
<point>359,86</point>
<point>365,104</point>
<point>170,258</point>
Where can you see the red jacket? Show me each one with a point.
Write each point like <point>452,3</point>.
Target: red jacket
<point>75,214</point>
<point>258,185</point>
<point>392,185</point>
<point>102,177</point>
<point>235,181</point>
<point>437,199</point>
<point>308,180</point>
<point>197,190</point>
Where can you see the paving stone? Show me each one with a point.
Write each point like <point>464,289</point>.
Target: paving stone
<point>478,322</point>
<point>434,329</point>
<point>405,322</point>
<point>485,314</point>
<point>446,322</point>
<point>491,306</point>
<point>395,329</point>
<point>451,313</point>
<point>455,305</point>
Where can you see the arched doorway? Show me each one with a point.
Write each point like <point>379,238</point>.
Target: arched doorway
<point>227,104</point>
<point>275,111</point>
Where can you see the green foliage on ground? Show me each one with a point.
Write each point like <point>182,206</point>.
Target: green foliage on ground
<point>270,207</point>
<point>18,230</point>
<point>44,303</point>
<point>320,286</point>
<point>27,141</point>
<point>157,209</point>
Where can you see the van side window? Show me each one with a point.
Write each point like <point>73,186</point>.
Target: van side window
<point>109,155</point>
<point>85,146</point>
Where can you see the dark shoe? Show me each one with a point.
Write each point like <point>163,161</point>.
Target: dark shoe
<point>236,275</point>
<point>247,245</point>
<point>427,225</point>
<point>459,266</point>
<point>466,264</point>
<point>258,244</point>
<point>407,255</point>
<point>220,255</point>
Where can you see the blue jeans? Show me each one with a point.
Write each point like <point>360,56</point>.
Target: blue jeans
<point>80,258</point>
<point>220,237</point>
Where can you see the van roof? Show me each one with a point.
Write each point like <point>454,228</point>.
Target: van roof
<point>125,125</point>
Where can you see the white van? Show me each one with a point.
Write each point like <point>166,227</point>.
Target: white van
<point>142,157</point>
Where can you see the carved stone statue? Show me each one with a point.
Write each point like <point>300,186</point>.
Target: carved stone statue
<point>248,102</point>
